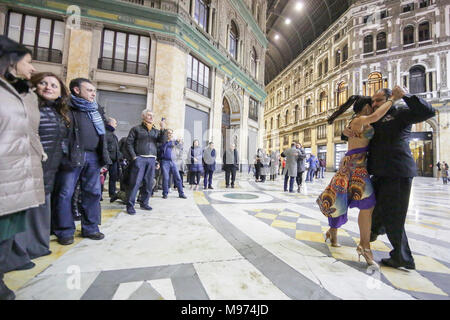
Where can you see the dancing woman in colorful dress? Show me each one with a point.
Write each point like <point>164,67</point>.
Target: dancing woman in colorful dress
<point>351,186</point>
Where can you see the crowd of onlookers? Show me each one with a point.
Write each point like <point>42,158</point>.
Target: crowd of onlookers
<point>57,146</point>
<point>292,163</point>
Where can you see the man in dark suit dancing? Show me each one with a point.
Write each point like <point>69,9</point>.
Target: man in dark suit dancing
<point>392,175</point>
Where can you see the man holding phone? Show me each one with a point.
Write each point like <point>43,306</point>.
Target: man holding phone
<point>141,145</point>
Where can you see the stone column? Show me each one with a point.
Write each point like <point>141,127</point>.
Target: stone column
<point>80,47</point>
<point>168,92</point>
<point>216,114</point>
<point>243,133</point>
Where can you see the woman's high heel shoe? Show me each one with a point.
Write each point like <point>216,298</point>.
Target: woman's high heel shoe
<point>365,253</point>
<point>333,242</point>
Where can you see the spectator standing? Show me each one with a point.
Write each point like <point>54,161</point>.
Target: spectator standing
<point>290,172</point>
<point>313,163</point>
<point>168,166</point>
<point>438,165</point>
<point>323,166</point>
<point>196,163</point>
<point>209,165</point>
<point>21,177</point>
<point>230,165</point>
<point>87,153</point>
<point>115,156</point>
<point>142,147</point>
<point>300,165</point>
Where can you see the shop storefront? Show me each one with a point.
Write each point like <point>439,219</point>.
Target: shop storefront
<point>340,149</point>
<point>421,144</point>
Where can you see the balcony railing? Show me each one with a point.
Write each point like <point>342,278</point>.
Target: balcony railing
<point>197,87</point>
<point>123,66</point>
<point>46,54</point>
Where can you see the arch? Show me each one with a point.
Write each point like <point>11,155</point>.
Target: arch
<point>342,93</point>
<point>375,83</point>
<point>381,41</point>
<point>424,31</point>
<point>323,101</point>
<point>296,118</point>
<point>408,35</point>
<point>286,118</point>
<point>233,40</point>
<point>417,79</point>
<point>368,44</point>
<point>254,62</point>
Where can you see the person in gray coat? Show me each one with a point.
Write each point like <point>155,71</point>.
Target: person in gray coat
<point>265,161</point>
<point>290,171</point>
<point>274,164</point>
<point>300,165</point>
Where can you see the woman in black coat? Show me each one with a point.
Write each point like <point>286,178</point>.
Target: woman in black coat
<point>53,125</point>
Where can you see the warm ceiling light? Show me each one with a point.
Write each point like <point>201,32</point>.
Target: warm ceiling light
<point>299,6</point>
<point>277,37</point>
<point>287,21</point>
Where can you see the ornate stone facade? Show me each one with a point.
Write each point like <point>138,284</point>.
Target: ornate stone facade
<point>366,49</point>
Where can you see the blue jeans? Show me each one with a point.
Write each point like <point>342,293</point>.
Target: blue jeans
<point>89,173</point>
<point>169,167</point>
<point>142,169</point>
<point>322,170</point>
<point>310,174</point>
<point>208,178</point>
<point>291,183</point>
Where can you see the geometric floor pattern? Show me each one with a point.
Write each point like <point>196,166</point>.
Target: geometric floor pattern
<point>253,241</point>
<point>311,231</point>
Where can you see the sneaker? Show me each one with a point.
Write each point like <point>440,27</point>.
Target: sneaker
<point>182,196</point>
<point>146,207</point>
<point>164,196</point>
<point>94,236</point>
<point>131,211</point>
<point>65,241</point>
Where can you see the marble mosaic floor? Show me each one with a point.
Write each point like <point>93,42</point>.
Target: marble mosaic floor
<point>251,242</point>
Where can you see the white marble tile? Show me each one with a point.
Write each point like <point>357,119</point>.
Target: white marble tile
<point>236,280</point>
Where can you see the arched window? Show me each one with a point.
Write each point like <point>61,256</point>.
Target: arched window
<point>408,35</point>
<point>271,124</point>
<point>338,58</point>
<point>319,69</point>
<point>342,93</point>
<point>308,109</point>
<point>234,40</point>
<point>201,15</point>
<point>345,53</point>
<point>325,66</point>
<point>323,101</point>
<point>253,62</point>
<point>368,44</point>
<point>417,80</point>
<point>306,78</point>
<point>381,41</point>
<point>424,31</point>
<point>375,82</point>
<point>286,118</point>
<point>278,121</point>
<point>265,125</point>
<point>296,114</point>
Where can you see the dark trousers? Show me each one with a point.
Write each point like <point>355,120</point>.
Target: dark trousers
<point>12,255</point>
<point>89,173</point>
<point>195,178</point>
<point>291,182</point>
<point>113,171</point>
<point>36,238</point>
<point>299,178</point>
<point>310,174</point>
<point>389,215</point>
<point>230,172</point>
<point>168,167</point>
<point>207,182</point>
<point>142,169</point>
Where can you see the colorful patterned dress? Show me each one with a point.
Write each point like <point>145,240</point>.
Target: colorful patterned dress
<point>350,187</point>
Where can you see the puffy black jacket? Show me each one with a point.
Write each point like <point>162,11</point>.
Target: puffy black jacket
<point>141,141</point>
<point>52,132</point>
<point>113,144</point>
